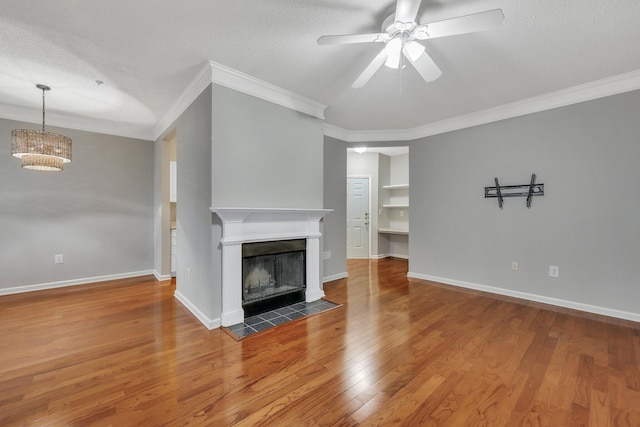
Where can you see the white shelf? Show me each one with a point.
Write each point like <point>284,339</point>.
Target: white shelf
<point>405,205</point>
<point>390,231</point>
<point>395,186</point>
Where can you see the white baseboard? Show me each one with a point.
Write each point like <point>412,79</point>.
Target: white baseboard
<point>161,277</point>
<point>74,282</point>
<point>381,256</point>
<point>204,319</point>
<point>335,277</point>
<point>635,317</point>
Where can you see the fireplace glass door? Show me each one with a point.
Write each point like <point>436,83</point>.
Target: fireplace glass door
<point>273,274</point>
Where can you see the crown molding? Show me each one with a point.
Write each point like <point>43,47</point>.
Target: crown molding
<point>188,95</point>
<point>213,72</point>
<point>210,72</point>
<point>369,135</point>
<point>337,132</point>
<point>576,94</point>
<point>250,85</point>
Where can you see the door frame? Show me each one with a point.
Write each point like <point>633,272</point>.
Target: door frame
<point>369,178</point>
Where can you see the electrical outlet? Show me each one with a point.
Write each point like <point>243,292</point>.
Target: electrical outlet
<point>401,213</point>
<point>58,259</point>
<point>514,265</point>
<point>326,255</point>
<point>554,271</point>
<point>188,273</point>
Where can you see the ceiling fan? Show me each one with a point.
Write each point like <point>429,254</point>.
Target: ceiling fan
<point>401,35</point>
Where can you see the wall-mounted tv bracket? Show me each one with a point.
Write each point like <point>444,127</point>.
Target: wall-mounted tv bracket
<point>532,189</point>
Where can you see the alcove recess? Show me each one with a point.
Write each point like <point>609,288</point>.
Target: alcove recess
<point>393,223</point>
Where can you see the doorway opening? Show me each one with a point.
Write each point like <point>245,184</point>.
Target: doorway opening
<point>358,230</point>
<point>378,222</point>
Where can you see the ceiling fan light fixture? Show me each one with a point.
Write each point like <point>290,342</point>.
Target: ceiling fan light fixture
<point>421,33</point>
<point>394,50</point>
<point>402,34</point>
<point>404,26</point>
<point>414,50</point>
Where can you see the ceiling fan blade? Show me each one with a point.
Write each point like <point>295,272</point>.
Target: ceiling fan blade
<point>466,24</point>
<point>406,10</point>
<point>423,63</point>
<point>354,38</point>
<point>371,69</point>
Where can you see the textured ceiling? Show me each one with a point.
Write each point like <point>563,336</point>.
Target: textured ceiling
<point>146,52</point>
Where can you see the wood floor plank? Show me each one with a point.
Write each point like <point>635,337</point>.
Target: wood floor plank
<point>398,351</point>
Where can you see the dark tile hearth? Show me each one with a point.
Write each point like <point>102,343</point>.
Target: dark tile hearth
<point>269,319</point>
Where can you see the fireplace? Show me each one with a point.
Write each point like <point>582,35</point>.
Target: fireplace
<point>244,226</point>
<point>273,275</point>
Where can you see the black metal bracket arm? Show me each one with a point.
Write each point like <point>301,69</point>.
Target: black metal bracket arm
<point>500,192</point>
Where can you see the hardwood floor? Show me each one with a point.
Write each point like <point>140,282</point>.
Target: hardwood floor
<point>398,352</point>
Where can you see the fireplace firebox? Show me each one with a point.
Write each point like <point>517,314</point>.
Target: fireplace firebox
<point>273,275</point>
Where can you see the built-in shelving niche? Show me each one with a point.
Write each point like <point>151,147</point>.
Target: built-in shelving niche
<point>393,224</point>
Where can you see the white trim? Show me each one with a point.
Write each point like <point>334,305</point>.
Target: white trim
<point>338,132</point>
<point>382,256</point>
<point>250,85</point>
<point>205,320</point>
<point>333,277</point>
<point>313,291</point>
<point>188,95</point>
<point>560,98</point>
<point>241,225</point>
<point>74,282</point>
<point>269,237</point>
<point>212,72</point>
<point>635,317</point>
<point>161,277</point>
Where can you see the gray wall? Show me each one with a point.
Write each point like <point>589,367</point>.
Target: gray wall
<point>587,223</point>
<point>197,278</point>
<point>98,212</point>
<point>335,195</point>
<point>161,222</point>
<point>264,155</point>
<point>235,150</point>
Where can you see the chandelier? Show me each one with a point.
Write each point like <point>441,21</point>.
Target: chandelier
<point>40,150</point>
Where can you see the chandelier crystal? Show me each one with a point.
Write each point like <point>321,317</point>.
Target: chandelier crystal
<point>41,150</point>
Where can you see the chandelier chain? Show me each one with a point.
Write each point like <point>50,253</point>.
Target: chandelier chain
<point>43,109</point>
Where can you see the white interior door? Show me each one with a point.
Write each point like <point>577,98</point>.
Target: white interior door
<point>357,217</point>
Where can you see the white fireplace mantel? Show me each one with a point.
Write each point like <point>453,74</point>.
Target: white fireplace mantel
<point>245,225</point>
